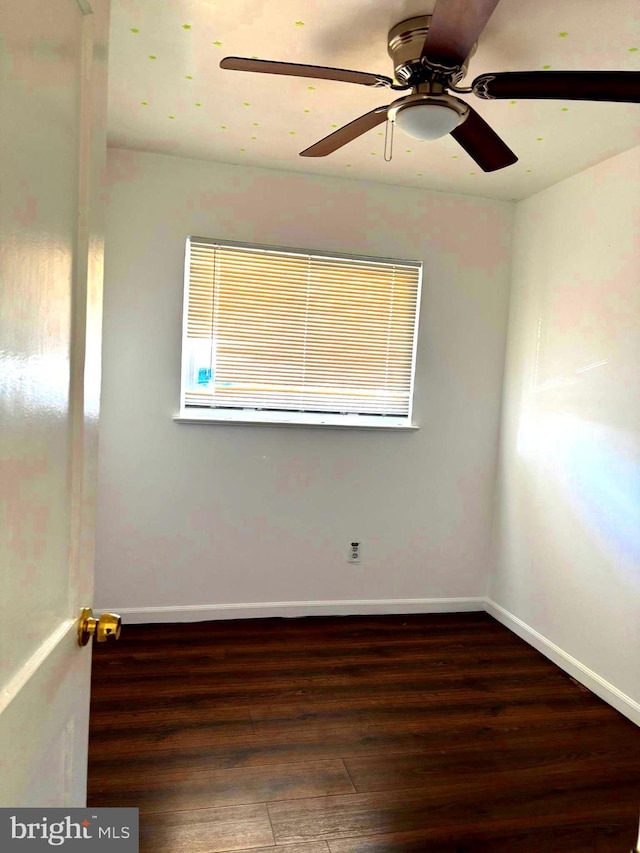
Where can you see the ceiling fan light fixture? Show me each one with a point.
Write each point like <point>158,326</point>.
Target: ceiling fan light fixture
<point>427,121</point>
<point>426,117</point>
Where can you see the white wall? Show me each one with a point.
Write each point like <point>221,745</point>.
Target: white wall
<point>566,554</point>
<point>228,514</point>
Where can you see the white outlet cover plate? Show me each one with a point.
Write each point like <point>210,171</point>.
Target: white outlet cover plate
<point>354,555</point>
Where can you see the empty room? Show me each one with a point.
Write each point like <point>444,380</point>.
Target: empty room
<point>321,422</point>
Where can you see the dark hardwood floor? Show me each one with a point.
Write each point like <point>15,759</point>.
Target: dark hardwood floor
<point>395,734</point>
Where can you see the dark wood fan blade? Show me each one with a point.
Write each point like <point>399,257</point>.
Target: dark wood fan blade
<point>347,133</point>
<point>482,143</point>
<point>293,69</point>
<point>564,85</point>
<point>455,27</point>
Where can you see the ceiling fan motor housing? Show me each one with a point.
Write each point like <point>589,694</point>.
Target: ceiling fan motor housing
<point>405,43</point>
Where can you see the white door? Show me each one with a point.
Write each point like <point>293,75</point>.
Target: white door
<point>52,149</point>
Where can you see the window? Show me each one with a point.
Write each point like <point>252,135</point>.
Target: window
<point>280,335</point>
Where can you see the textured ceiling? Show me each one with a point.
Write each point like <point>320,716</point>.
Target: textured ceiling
<point>168,95</point>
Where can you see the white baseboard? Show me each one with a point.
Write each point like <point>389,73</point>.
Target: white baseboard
<point>598,685</point>
<point>261,610</point>
<point>364,607</point>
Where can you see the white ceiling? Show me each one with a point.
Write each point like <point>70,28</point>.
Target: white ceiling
<point>182,103</point>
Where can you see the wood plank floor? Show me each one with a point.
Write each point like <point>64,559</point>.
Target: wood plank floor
<point>393,734</point>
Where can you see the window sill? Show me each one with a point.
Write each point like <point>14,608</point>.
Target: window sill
<point>293,419</point>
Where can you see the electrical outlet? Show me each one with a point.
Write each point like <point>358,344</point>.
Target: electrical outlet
<point>355,549</point>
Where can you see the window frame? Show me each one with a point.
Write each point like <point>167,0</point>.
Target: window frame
<point>206,415</point>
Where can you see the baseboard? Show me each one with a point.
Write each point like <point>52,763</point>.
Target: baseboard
<point>369,607</point>
<point>598,685</point>
<point>261,610</point>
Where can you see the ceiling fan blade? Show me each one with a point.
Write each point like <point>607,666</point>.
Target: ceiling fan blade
<point>482,143</point>
<point>455,27</point>
<point>294,69</point>
<point>570,85</point>
<point>347,133</point>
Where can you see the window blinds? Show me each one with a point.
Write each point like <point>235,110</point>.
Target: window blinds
<point>285,331</point>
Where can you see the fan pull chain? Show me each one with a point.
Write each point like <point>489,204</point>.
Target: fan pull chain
<point>388,141</point>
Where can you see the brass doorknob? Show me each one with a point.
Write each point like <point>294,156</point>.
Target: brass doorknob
<point>106,627</point>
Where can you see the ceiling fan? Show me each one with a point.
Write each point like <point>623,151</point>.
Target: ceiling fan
<point>430,55</point>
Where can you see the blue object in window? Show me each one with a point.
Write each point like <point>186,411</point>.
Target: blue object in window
<point>204,375</point>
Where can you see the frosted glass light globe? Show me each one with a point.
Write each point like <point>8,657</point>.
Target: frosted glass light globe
<point>427,121</point>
